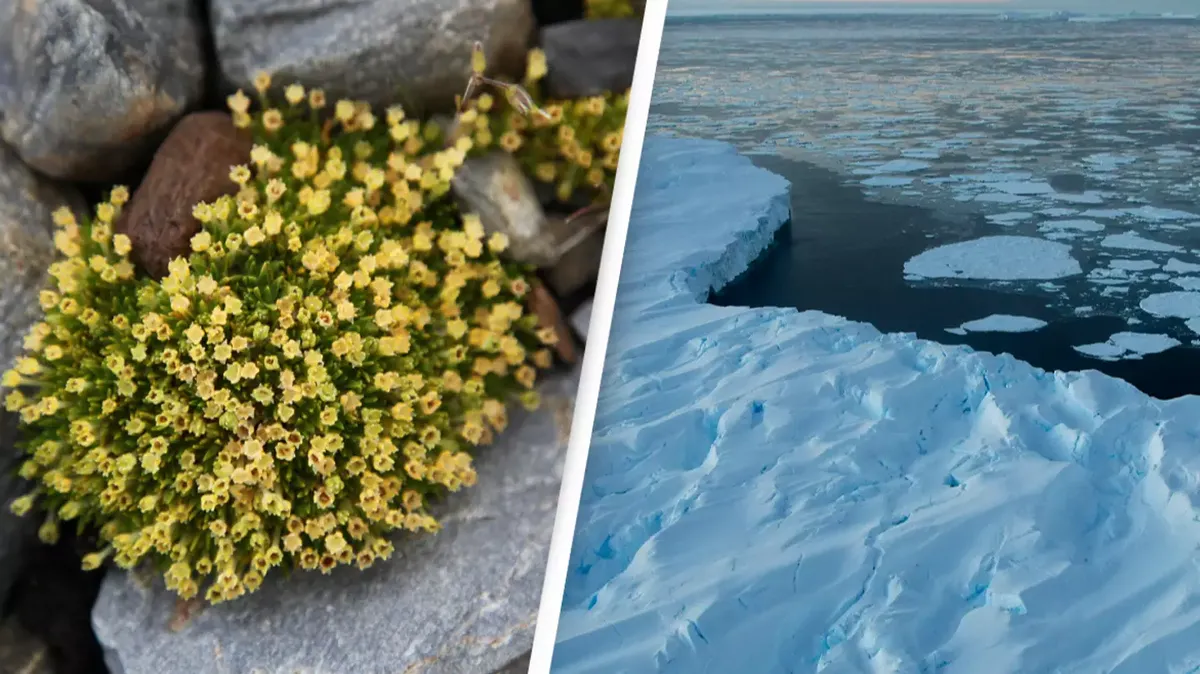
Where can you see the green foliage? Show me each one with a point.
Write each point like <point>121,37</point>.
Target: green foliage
<point>322,364</point>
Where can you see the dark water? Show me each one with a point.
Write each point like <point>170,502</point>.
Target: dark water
<point>845,255</point>
<point>901,134</point>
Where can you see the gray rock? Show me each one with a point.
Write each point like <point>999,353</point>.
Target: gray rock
<point>580,242</point>
<point>86,84</point>
<point>414,52</point>
<point>518,666</point>
<point>581,318</point>
<point>459,602</point>
<point>495,187</point>
<point>590,57</point>
<point>26,251</point>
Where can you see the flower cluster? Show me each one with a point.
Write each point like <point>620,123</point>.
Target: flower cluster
<point>609,9</point>
<point>573,145</point>
<point>303,383</point>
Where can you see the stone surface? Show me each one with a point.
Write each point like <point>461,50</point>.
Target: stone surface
<point>495,187</point>
<point>192,165</point>
<point>462,601</point>
<point>580,245</point>
<point>543,304</point>
<point>86,84</point>
<point>590,57</point>
<point>581,318</point>
<point>547,12</point>
<point>52,602</point>
<point>518,666</point>
<point>26,251</point>
<point>22,652</point>
<point>414,52</point>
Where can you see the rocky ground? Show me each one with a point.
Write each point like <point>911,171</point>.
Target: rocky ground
<point>89,91</point>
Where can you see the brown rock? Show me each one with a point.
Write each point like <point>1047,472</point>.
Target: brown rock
<point>545,307</point>
<point>191,166</point>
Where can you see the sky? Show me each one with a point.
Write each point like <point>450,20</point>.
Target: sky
<point>1096,6</point>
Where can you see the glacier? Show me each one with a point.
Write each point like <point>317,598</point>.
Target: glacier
<point>773,491</point>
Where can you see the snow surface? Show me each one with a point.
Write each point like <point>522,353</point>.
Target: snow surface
<point>775,491</point>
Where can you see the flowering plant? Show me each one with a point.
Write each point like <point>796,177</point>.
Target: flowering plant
<point>572,145</point>
<point>317,369</point>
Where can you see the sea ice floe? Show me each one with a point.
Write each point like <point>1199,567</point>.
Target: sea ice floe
<point>1108,162</point>
<point>1177,266</point>
<point>1076,225</point>
<point>1023,188</point>
<point>996,258</point>
<point>1134,241</point>
<point>1157,214</point>
<point>1010,218</point>
<point>1129,345</point>
<point>1088,197</point>
<point>1001,323</point>
<point>887,181</point>
<point>1133,265</point>
<point>901,166</point>
<point>1175,304</point>
<point>1000,198</point>
<point>1107,213</point>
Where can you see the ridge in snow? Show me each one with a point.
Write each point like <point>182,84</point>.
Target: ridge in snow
<point>779,491</point>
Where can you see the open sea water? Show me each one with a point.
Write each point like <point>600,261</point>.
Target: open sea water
<point>950,169</point>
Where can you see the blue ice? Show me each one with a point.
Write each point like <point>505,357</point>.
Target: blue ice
<point>774,491</point>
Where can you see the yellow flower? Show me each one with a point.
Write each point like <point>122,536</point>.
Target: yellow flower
<point>272,120</point>
<point>206,285</point>
<point>319,202</point>
<point>21,505</point>
<point>201,242</point>
<point>294,94</point>
<point>238,102</point>
<point>254,236</point>
<point>262,82</point>
<point>498,242</point>
<point>535,67</point>
<point>510,141</point>
<point>478,59</point>
<point>344,111</point>
<point>239,174</point>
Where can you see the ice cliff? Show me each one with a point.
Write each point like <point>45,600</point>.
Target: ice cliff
<point>779,491</point>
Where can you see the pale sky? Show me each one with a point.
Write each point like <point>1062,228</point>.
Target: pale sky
<point>1096,6</point>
